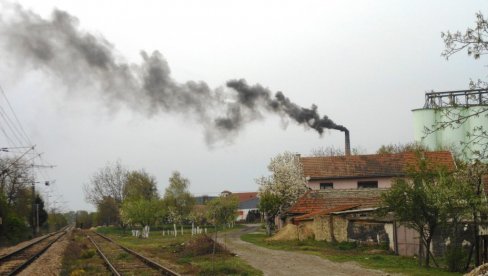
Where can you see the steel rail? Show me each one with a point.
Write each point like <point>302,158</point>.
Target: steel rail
<point>25,264</point>
<point>147,261</point>
<point>6,256</point>
<point>107,262</point>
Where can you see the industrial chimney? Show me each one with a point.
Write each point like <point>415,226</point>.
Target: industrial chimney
<point>347,143</point>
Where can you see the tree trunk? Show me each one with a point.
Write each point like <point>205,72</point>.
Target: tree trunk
<point>174,226</point>
<point>427,251</point>
<point>266,224</point>
<point>476,241</point>
<point>421,246</point>
<point>268,220</point>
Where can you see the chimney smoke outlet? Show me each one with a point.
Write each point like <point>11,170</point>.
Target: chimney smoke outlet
<point>347,143</point>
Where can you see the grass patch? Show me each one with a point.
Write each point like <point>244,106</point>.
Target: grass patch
<point>123,256</point>
<point>79,259</point>
<point>186,253</point>
<point>369,257</point>
<point>223,265</point>
<point>87,254</point>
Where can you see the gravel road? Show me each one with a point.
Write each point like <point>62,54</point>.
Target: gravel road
<point>278,262</point>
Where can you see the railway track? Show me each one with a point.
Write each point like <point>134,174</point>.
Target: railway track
<point>124,261</point>
<point>14,262</point>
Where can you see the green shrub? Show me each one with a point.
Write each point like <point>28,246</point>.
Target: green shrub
<point>456,258</point>
<point>87,254</point>
<point>15,229</point>
<point>123,256</point>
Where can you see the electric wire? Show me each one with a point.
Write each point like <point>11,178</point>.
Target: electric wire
<point>11,126</point>
<point>17,138</point>
<point>15,116</point>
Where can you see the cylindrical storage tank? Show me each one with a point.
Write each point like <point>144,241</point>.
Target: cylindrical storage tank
<point>451,136</point>
<point>422,118</point>
<point>476,122</point>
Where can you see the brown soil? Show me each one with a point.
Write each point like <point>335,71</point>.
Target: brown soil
<point>278,262</point>
<point>50,262</point>
<point>201,245</point>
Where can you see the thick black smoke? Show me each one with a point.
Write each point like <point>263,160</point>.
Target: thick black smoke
<point>81,59</point>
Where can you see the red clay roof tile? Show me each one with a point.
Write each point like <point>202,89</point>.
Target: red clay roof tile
<point>326,212</point>
<point>245,196</point>
<point>373,165</point>
<point>319,200</point>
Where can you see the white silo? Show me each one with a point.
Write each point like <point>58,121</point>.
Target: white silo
<point>442,107</point>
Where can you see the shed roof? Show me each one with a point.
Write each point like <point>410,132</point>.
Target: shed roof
<point>372,165</point>
<point>325,212</point>
<point>320,200</point>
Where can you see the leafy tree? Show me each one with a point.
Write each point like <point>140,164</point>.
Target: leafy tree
<point>470,179</point>
<point>106,187</point>
<point>84,219</point>
<point>399,148</point>
<point>40,211</point>
<point>415,202</point>
<point>334,151</point>
<point>455,196</point>
<point>287,182</point>
<point>139,184</point>
<point>177,199</point>
<point>269,205</point>
<point>198,214</point>
<point>56,221</point>
<point>13,227</point>
<point>475,42</point>
<point>109,181</point>
<point>141,211</point>
<point>108,211</point>
<point>222,210</point>
<point>22,204</point>
<point>70,217</point>
<point>14,179</point>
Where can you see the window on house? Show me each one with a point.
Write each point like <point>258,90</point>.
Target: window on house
<point>367,184</point>
<point>324,186</point>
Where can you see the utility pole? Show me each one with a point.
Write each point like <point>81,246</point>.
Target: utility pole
<point>6,170</point>
<point>33,208</point>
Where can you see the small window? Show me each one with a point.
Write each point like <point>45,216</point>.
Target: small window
<point>324,186</point>
<point>367,184</point>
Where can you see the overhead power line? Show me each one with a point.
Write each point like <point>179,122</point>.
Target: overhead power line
<point>22,131</point>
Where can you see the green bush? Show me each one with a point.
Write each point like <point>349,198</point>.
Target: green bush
<point>123,256</point>
<point>14,229</point>
<point>456,258</point>
<point>87,254</point>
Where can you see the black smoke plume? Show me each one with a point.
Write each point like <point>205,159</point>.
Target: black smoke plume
<point>60,48</point>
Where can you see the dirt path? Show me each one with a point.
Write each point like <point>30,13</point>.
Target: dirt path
<point>278,262</point>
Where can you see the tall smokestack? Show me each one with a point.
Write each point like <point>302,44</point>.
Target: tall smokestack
<point>347,143</point>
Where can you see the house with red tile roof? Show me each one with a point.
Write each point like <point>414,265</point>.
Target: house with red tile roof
<point>366,171</point>
<point>346,190</point>
<point>248,201</point>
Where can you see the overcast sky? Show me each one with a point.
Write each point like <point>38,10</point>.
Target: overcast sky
<point>365,64</point>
